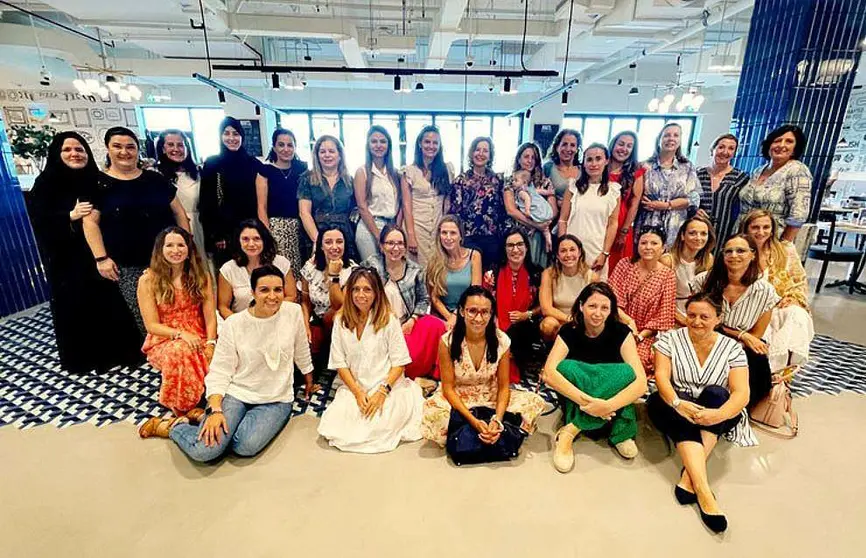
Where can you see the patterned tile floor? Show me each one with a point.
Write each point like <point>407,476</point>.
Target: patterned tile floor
<point>34,390</point>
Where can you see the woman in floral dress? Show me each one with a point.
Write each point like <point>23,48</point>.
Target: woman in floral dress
<point>175,296</point>
<point>465,384</point>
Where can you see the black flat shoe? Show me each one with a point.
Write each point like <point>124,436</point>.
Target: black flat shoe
<point>715,523</point>
<point>684,497</point>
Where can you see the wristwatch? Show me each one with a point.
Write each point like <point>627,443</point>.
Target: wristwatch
<point>335,279</point>
<point>210,411</point>
<point>100,259</point>
<point>676,402</point>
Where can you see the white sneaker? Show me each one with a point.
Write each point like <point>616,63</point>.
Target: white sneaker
<point>563,454</point>
<point>627,449</point>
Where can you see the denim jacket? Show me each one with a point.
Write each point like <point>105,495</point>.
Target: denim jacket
<point>413,285</point>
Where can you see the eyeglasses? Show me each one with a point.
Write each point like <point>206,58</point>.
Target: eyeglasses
<point>738,251</point>
<point>473,313</point>
<point>394,243</point>
<point>514,245</point>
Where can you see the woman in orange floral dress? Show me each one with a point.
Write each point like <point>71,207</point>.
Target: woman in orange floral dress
<point>175,296</point>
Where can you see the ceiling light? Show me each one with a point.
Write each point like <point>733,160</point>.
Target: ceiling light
<point>258,110</point>
<point>123,96</point>
<point>668,99</point>
<point>528,112</point>
<point>104,93</point>
<point>419,86</point>
<point>275,81</point>
<point>653,105</point>
<point>397,87</point>
<point>634,91</point>
<point>221,96</point>
<point>92,84</point>
<point>698,101</point>
<point>113,84</point>
<point>507,88</point>
<point>564,99</point>
<point>722,63</point>
<point>80,86</point>
<point>134,92</point>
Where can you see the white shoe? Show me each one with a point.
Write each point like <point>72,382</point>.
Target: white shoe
<point>563,454</point>
<point>627,449</point>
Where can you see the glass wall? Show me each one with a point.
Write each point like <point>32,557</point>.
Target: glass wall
<point>200,124</point>
<point>601,128</point>
<point>457,132</point>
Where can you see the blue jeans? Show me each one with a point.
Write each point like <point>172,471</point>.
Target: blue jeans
<point>364,240</point>
<point>251,428</point>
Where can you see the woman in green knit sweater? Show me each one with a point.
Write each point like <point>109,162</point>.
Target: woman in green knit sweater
<point>595,367</point>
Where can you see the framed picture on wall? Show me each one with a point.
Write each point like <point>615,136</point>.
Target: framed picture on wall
<point>59,117</point>
<point>253,137</point>
<point>112,114</point>
<point>97,114</point>
<point>131,118</point>
<point>543,134</point>
<point>81,118</point>
<point>15,116</point>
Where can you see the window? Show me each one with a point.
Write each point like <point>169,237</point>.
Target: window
<point>451,129</point>
<point>326,124</point>
<point>200,124</point>
<point>622,125</point>
<point>355,128</point>
<point>206,131</point>
<point>646,136</point>
<point>602,128</point>
<point>595,130</point>
<point>506,137</point>
<point>573,124</point>
<point>298,123</point>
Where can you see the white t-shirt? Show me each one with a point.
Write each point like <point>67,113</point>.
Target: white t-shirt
<point>589,215</point>
<point>383,194</point>
<point>239,279</point>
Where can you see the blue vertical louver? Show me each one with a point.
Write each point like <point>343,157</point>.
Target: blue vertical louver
<point>22,280</point>
<point>799,68</point>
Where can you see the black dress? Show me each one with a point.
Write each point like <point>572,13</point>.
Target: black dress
<point>94,330</point>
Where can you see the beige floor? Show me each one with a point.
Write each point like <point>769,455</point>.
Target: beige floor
<point>84,491</point>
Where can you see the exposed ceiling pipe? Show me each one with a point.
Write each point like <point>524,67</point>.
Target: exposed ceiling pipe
<point>687,33</point>
<point>267,69</point>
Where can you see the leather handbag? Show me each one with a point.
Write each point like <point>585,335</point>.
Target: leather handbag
<point>465,447</point>
<point>775,413</point>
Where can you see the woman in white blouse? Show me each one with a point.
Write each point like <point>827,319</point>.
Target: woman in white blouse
<point>377,407</point>
<point>703,387</point>
<point>255,248</point>
<point>377,192</point>
<point>747,306</point>
<point>250,384</point>
<point>590,209</point>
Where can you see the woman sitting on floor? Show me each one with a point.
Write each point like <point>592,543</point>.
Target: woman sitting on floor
<point>406,289</point>
<point>791,328</point>
<point>377,407</point>
<point>561,283</point>
<point>691,253</point>
<point>250,387</point>
<point>702,394</point>
<point>176,301</point>
<point>747,306</point>
<point>452,269</point>
<point>474,363</point>
<point>595,367</point>
<point>646,291</point>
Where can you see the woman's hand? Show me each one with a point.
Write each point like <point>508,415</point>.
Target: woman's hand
<point>81,209</point>
<point>193,340</point>
<point>310,388</point>
<point>707,417</point>
<point>598,408</point>
<point>108,269</point>
<point>756,345</point>
<point>654,205</point>
<point>632,325</point>
<point>208,353</point>
<point>619,241</point>
<point>688,410</point>
<point>516,316</point>
<point>599,262</point>
<point>704,214</point>
<point>374,404</point>
<point>214,428</point>
<point>363,402</point>
<point>450,322</point>
<point>411,243</point>
<point>309,334</point>
<point>409,326</point>
<point>335,267</point>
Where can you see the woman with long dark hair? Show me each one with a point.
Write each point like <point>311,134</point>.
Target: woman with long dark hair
<point>228,190</point>
<point>61,197</point>
<point>425,187</point>
<point>277,194</point>
<point>175,162</point>
<point>624,169</point>
<point>595,367</point>
<point>537,188</point>
<point>473,361</point>
<point>377,192</point>
<point>563,164</point>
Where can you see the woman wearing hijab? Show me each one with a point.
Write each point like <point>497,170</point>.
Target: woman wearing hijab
<point>59,200</point>
<point>228,191</point>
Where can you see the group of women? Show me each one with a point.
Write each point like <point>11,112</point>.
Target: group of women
<point>428,293</point>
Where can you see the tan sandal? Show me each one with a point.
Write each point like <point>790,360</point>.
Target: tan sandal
<point>148,429</point>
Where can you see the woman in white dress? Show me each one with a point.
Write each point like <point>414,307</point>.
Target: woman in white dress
<point>590,209</point>
<point>175,163</point>
<point>425,187</point>
<point>791,328</point>
<point>255,248</point>
<point>377,407</point>
<point>703,388</point>
<point>692,253</point>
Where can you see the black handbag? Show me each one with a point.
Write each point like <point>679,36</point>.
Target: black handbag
<point>465,447</point>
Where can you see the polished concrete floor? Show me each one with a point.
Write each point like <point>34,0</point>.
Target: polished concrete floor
<point>86,491</point>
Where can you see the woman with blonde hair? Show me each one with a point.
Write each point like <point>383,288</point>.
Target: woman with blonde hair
<point>691,253</point>
<point>452,269</point>
<point>377,407</point>
<point>791,329</point>
<point>175,296</point>
<point>326,194</point>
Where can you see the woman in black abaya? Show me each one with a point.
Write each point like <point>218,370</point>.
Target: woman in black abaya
<point>87,339</point>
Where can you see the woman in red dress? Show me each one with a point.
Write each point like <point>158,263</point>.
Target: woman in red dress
<point>175,296</point>
<point>625,169</point>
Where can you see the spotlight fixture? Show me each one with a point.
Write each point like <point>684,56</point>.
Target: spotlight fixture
<point>528,112</point>
<point>619,81</point>
<point>397,86</point>
<point>634,90</point>
<point>564,99</point>
<point>419,86</point>
<point>221,96</point>
<point>258,110</point>
<point>275,81</point>
<point>44,78</point>
<point>401,59</point>
<point>506,86</point>
<point>470,61</point>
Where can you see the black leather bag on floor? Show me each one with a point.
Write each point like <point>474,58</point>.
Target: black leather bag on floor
<point>466,448</point>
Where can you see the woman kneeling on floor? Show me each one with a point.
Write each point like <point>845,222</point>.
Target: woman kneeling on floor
<point>377,407</point>
<point>474,364</point>
<point>595,367</point>
<point>175,296</point>
<point>703,387</point>
<point>250,386</point>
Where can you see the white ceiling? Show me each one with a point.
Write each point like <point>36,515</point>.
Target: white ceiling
<point>155,39</point>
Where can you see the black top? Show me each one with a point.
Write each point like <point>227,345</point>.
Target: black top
<point>132,213</point>
<point>283,188</point>
<point>227,195</point>
<point>329,206</point>
<point>604,349</point>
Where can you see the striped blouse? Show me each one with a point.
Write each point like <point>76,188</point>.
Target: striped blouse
<point>759,297</point>
<point>689,378</point>
<point>723,205</point>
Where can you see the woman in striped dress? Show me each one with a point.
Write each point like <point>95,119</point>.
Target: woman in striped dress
<point>720,187</point>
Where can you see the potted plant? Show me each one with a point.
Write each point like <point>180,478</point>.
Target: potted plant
<point>30,145</point>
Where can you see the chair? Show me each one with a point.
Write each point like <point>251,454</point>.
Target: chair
<point>830,252</point>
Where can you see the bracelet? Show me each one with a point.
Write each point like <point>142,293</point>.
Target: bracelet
<point>740,336</point>
<point>606,254</point>
<point>211,342</point>
<point>386,386</point>
<point>495,419</point>
<point>176,335</point>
